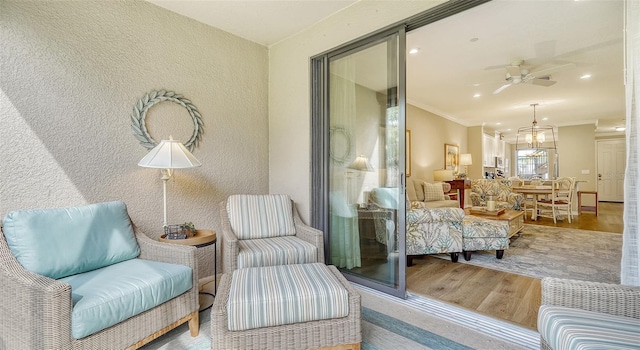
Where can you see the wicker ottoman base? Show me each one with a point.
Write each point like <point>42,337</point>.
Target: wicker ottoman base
<point>337,334</point>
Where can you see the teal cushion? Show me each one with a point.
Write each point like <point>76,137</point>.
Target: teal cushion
<point>385,197</point>
<point>287,294</point>
<point>108,296</point>
<point>65,241</point>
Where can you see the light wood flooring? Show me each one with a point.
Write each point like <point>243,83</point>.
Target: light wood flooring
<point>509,297</point>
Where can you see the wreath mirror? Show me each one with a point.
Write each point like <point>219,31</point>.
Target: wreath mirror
<point>138,118</point>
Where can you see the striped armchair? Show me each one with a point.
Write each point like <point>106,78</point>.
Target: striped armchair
<point>266,230</point>
<point>588,315</point>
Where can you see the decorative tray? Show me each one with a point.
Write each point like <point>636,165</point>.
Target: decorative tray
<point>484,211</point>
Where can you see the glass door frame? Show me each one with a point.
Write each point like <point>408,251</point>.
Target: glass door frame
<point>320,156</point>
<point>319,68</point>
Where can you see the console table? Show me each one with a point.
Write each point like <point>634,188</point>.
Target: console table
<point>460,186</point>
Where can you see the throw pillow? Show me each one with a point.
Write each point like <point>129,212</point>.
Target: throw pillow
<point>433,192</point>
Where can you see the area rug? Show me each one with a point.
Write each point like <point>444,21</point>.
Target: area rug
<point>541,251</point>
<point>386,324</point>
<point>383,329</point>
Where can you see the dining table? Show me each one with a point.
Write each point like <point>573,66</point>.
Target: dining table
<point>536,191</point>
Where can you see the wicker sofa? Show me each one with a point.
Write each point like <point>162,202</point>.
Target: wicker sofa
<point>588,315</point>
<point>481,189</point>
<point>70,271</point>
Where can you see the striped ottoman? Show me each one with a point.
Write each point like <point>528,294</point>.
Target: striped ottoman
<point>300,306</point>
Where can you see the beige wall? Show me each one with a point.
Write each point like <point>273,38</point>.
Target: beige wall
<point>71,74</point>
<point>577,152</point>
<point>289,83</point>
<point>429,133</point>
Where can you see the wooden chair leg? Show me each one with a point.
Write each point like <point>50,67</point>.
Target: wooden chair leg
<point>194,324</point>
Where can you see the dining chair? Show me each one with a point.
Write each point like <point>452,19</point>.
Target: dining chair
<point>530,199</point>
<point>559,202</point>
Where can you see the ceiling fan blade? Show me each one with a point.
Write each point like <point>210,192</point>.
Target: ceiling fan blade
<point>542,82</point>
<point>547,71</point>
<point>499,90</point>
<point>514,71</point>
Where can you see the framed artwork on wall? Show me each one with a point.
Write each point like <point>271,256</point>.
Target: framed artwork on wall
<point>451,157</point>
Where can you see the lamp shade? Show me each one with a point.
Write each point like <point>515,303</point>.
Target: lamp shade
<point>442,175</point>
<point>169,154</point>
<point>465,159</point>
<point>361,163</point>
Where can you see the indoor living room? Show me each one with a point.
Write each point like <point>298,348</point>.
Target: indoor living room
<point>455,112</point>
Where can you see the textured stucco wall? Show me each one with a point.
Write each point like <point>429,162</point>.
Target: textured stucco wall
<point>289,87</point>
<point>71,73</point>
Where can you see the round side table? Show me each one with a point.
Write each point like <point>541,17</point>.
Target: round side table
<point>202,238</point>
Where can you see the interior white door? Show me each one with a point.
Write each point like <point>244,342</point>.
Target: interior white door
<point>611,166</point>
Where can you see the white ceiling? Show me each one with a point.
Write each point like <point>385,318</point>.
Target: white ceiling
<point>441,77</point>
<point>262,21</point>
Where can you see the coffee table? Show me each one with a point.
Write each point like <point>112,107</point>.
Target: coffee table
<point>514,217</point>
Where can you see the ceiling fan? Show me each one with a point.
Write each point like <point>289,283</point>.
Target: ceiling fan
<point>518,75</point>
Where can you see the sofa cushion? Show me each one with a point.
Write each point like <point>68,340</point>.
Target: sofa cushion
<point>110,295</point>
<point>261,216</point>
<point>275,251</point>
<point>433,192</point>
<point>415,184</point>
<point>61,242</point>
<point>279,295</point>
<point>569,328</point>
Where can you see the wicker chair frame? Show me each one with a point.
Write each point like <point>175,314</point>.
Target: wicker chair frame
<point>606,298</point>
<point>338,333</point>
<point>36,310</point>
<point>230,247</point>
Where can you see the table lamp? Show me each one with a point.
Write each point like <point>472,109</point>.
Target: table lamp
<point>442,175</point>
<point>168,155</point>
<point>465,159</point>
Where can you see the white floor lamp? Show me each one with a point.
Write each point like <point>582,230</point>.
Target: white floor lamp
<point>168,155</point>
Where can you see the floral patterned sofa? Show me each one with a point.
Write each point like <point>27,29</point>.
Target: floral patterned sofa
<point>501,188</point>
<point>435,230</point>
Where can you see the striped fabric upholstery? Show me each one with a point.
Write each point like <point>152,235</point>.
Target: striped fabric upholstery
<point>275,251</point>
<point>261,216</point>
<point>278,295</point>
<point>568,328</point>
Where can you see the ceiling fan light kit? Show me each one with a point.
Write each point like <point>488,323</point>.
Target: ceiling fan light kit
<point>534,136</point>
<point>516,74</point>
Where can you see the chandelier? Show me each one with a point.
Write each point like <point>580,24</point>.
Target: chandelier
<point>534,136</point>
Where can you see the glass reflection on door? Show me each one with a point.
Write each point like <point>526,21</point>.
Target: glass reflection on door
<point>366,170</point>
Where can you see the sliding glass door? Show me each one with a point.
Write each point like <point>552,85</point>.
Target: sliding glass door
<point>362,187</point>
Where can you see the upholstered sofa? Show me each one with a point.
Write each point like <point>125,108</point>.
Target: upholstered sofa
<point>430,195</point>
<point>481,189</point>
<point>588,315</point>
<point>433,220</point>
<point>433,231</point>
<point>87,278</point>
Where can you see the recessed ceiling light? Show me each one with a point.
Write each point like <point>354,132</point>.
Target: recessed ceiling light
<point>620,128</point>
<point>498,123</point>
<point>476,95</point>
<point>414,51</point>
<point>586,76</point>
<point>508,129</point>
<point>473,40</point>
<point>545,118</point>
